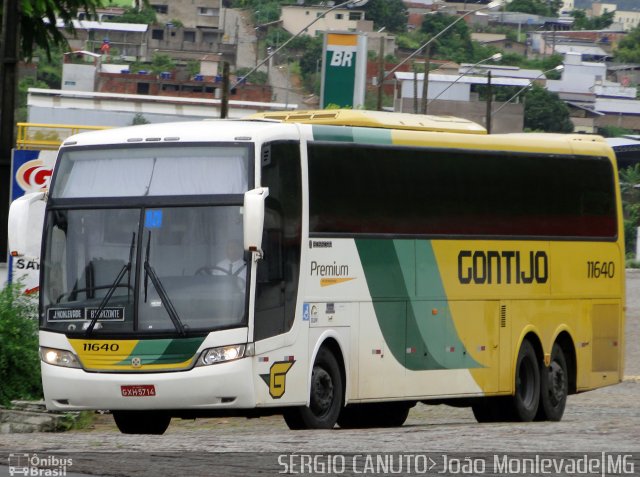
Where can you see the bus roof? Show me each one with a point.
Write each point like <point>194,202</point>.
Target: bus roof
<point>376,119</point>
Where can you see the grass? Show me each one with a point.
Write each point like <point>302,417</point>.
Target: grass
<point>118,3</point>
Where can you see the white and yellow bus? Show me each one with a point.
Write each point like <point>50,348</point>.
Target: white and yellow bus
<point>333,266</point>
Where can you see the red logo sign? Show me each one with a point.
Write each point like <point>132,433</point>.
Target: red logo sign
<point>34,175</point>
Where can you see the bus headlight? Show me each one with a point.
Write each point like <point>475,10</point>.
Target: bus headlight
<point>59,357</point>
<point>221,354</point>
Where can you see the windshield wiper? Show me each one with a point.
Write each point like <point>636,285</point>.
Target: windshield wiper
<point>150,273</point>
<point>125,268</point>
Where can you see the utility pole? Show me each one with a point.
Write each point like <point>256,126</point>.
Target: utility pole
<point>489,99</point>
<point>380,74</point>
<point>415,89</point>
<point>224,98</point>
<point>8,78</point>
<point>425,82</point>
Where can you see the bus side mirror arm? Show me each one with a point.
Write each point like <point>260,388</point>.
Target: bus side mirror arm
<point>253,219</point>
<point>26,219</point>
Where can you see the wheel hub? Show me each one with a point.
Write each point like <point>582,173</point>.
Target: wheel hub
<point>557,382</point>
<point>321,391</point>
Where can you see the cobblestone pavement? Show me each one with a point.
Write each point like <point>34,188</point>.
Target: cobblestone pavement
<point>606,419</point>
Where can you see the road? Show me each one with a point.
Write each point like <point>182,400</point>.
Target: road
<point>604,420</point>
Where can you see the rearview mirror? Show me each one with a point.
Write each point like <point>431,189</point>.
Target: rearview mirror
<point>253,218</point>
<point>26,219</point>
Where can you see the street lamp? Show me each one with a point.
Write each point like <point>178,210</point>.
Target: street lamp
<point>348,3</point>
<point>521,90</point>
<point>488,6</point>
<point>496,57</point>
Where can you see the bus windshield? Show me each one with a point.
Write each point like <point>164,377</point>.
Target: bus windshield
<point>152,171</point>
<point>144,270</point>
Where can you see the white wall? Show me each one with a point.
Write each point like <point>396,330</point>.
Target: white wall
<point>295,18</point>
<point>77,77</point>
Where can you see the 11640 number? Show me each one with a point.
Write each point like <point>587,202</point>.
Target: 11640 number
<point>597,269</point>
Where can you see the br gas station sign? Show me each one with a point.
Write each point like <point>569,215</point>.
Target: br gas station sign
<point>344,69</point>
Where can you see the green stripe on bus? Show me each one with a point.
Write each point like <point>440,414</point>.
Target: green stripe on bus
<point>372,136</point>
<point>406,289</point>
<point>332,133</point>
<point>164,351</point>
<point>352,134</point>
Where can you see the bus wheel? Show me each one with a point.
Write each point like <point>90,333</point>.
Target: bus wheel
<point>491,409</point>
<point>527,395</point>
<point>554,386</point>
<point>391,414</point>
<point>326,398</point>
<point>142,422</point>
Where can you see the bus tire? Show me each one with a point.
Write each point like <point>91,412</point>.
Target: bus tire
<point>527,386</point>
<point>554,386</point>
<point>393,414</point>
<point>326,396</point>
<point>362,416</point>
<point>491,409</point>
<point>142,422</point>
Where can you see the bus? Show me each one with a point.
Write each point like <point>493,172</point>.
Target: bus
<point>334,267</point>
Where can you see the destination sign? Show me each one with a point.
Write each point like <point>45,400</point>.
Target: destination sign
<point>109,313</point>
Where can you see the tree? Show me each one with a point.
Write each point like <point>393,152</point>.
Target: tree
<point>139,119</point>
<point>547,8</point>
<point>545,111</point>
<point>27,24</point>
<point>455,44</point>
<point>146,15</point>
<point>161,62</point>
<point>581,22</point>
<point>630,191</point>
<point>628,50</point>
<point>309,62</point>
<point>257,77</point>
<point>38,21</point>
<point>391,14</point>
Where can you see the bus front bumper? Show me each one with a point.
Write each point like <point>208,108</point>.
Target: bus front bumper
<point>219,386</point>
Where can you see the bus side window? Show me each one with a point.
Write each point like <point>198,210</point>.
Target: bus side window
<point>272,271</point>
<point>278,271</point>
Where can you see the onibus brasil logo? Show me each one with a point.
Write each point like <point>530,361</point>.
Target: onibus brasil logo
<point>40,466</point>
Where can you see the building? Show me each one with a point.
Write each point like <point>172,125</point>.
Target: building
<point>599,8</point>
<point>203,14</point>
<point>178,84</point>
<point>186,30</point>
<point>544,42</point>
<point>501,42</point>
<point>103,14</point>
<point>588,51</point>
<point>127,40</point>
<point>198,32</point>
<point>457,95</point>
<point>46,106</point>
<point>627,19</point>
<point>80,70</point>
<point>587,78</point>
<point>567,7</point>
<point>595,101</point>
<point>624,113</point>
<point>296,17</point>
<point>626,74</point>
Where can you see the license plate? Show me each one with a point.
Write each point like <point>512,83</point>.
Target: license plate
<point>138,390</point>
